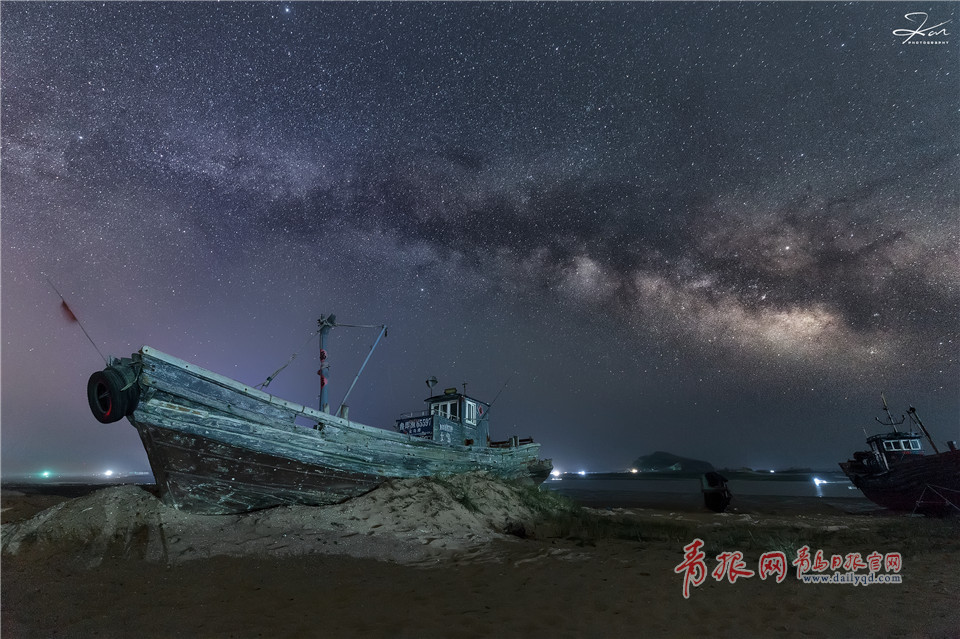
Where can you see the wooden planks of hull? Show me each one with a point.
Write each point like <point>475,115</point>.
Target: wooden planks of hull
<point>206,476</point>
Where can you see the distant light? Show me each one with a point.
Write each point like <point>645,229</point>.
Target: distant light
<point>555,472</point>
<point>45,473</point>
<point>107,473</point>
<point>634,470</point>
<point>773,471</point>
<point>817,481</point>
<point>582,472</point>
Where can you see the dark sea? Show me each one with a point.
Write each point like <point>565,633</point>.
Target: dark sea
<point>827,492</point>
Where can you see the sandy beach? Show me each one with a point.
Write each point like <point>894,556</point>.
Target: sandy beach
<point>474,559</point>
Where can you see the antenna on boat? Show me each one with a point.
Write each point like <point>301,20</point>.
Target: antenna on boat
<point>891,421</point>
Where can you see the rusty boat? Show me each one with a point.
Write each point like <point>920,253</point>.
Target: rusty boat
<point>218,446</point>
<point>898,474</point>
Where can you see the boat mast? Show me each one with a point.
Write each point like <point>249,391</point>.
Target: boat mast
<point>325,323</point>
<point>916,419</point>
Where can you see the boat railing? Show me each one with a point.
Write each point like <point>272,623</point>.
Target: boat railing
<point>512,442</point>
<point>414,414</point>
<point>429,413</point>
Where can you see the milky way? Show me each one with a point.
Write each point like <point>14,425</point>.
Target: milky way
<point>716,229</point>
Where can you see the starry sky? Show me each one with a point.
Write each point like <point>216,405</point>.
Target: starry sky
<point>716,229</point>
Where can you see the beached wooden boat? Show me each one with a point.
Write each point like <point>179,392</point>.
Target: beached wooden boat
<point>219,446</point>
<point>896,473</point>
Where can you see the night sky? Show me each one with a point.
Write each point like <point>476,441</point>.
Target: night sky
<point>719,230</point>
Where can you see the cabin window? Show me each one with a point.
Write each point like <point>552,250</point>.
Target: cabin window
<point>470,410</point>
<point>450,410</point>
<point>902,444</point>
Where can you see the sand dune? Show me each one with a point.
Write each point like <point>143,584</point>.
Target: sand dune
<point>407,521</point>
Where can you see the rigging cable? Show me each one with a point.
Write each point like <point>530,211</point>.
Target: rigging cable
<point>269,379</point>
<point>73,318</point>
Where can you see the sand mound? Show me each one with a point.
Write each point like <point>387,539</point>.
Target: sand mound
<point>410,521</point>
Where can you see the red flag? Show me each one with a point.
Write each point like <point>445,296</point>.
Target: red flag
<point>68,312</point>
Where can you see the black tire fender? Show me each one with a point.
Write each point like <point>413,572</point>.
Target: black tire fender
<point>112,394</point>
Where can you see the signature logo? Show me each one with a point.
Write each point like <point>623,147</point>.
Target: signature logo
<point>922,31</point>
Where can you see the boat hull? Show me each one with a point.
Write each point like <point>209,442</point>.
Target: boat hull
<point>928,483</point>
<point>204,475</point>
<point>217,446</point>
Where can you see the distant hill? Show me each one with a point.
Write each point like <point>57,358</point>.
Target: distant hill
<point>661,461</point>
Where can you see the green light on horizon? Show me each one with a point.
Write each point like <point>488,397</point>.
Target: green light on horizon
<point>46,473</point>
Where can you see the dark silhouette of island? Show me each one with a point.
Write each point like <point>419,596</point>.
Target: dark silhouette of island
<point>663,462</point>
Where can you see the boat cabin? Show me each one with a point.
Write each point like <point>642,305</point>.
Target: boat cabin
<point>451,418</point>
<point>891,448</point>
